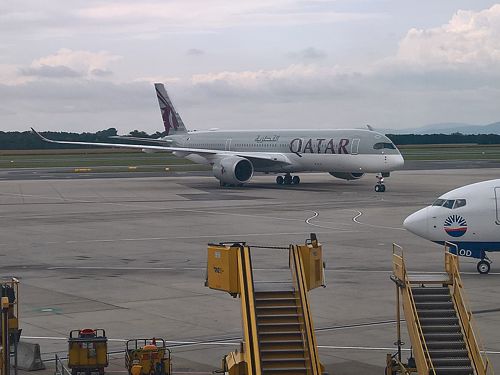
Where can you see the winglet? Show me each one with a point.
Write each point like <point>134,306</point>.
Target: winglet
<point>370,128</point>
<point>42,137</point>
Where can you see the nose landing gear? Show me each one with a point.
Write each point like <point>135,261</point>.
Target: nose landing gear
<point>288,180</point>
<point>484,265</point>
<point>380,187</point>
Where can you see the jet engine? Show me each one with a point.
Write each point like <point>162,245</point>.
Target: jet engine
<point>233,170</point>
<point>347,175</point>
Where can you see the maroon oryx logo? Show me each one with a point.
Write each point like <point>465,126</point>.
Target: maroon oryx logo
<point>169,119</point>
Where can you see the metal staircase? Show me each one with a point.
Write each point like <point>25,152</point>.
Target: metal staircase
<point>441,330</point>
<point>439,322</point>
<point>281,344</point>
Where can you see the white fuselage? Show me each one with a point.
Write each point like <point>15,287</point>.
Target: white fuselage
<point>468,216</point>
<point>349,150</point>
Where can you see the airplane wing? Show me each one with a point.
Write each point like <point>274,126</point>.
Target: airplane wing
<point>139,139</point>
<point>183,151</point>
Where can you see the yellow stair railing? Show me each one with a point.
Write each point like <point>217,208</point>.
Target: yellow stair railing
<point>300,281</point>
<point>251,348</point>
<point>480,361</point>
<point>422,357</point>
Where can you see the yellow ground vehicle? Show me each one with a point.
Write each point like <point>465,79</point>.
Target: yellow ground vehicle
<point>88,351</point>
<point>148,357</point>
<point>9,289</point>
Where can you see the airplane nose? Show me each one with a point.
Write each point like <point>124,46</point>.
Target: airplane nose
<point>395,161</point>
<point>399,162</point>
<point>417,223</point>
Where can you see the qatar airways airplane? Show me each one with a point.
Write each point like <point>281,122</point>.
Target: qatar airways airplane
<point>235,155</point>
<point>468,217</point>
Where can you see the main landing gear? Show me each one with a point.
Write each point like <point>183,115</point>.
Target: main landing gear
<point>380,187</point>
<point>288,180</point>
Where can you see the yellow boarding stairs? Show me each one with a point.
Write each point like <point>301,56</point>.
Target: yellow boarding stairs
<point>439,321</point>
<point>279,335</point>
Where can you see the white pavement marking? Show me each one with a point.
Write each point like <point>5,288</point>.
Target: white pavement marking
<point>225,343</point>
<point>355,219</point>
<point>316,214</point>
<point>186,237</point>
<point>111,268</point>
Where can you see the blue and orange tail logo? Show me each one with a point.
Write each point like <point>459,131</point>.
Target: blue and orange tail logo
<point>455,225</point>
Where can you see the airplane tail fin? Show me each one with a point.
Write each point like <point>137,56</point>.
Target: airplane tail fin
<point>171,120</point>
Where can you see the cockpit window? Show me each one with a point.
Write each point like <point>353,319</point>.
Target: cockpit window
<point>459,203</point>
<point>438,202</point>
<point>449,203</point>
<point>382,145</point>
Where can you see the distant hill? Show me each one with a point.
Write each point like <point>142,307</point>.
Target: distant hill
<point>448,128</point>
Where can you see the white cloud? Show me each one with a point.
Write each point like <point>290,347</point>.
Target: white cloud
<point>63,64</point>
<point>198,15</point>
<point>469,39</point>
<point>84,62</point>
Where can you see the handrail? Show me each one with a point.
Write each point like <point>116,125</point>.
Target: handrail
<point>60,368</point>
<point>247,294</point>
<point>299,280</point>
<point>422,344</point>
<point>481,362</point>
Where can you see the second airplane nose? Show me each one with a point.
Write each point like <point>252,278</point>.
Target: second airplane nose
<point>417,223</point>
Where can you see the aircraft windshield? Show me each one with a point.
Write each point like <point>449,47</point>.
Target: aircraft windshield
<point>450,203</point>
<point>382,145</point>
<point>439,202</point>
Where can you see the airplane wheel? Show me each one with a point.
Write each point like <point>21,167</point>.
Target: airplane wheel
<point>377,188</point>
<point>483,267</point>
<point>296,180</point>
<point>288,179</point>
<point>382,188</point>
<point>280,180</point>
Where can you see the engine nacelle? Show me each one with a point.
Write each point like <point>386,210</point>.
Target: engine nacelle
<point>233,170</point>
<point>347,175</point>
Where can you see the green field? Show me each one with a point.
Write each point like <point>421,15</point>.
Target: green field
<point>451,152</point>
<point>111,159</point>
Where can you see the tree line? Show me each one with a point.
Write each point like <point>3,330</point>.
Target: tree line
<point>439,139</point>
<point>29,141</point>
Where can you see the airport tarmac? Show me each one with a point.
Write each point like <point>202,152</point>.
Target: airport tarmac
<point>129,255</point>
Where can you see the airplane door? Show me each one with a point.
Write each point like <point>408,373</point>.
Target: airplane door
<point>355,146</point>
<point>228,144</point>
<point>497,205</point>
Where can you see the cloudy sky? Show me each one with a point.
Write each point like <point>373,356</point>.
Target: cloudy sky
<point>86,65</point>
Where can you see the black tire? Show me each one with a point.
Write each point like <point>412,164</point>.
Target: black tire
<point>483,267</point>
<point>280,180</point>
<point>295,180</point>
<point>377,188</point>
<point>288,179</point>
<point>382,188</point>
